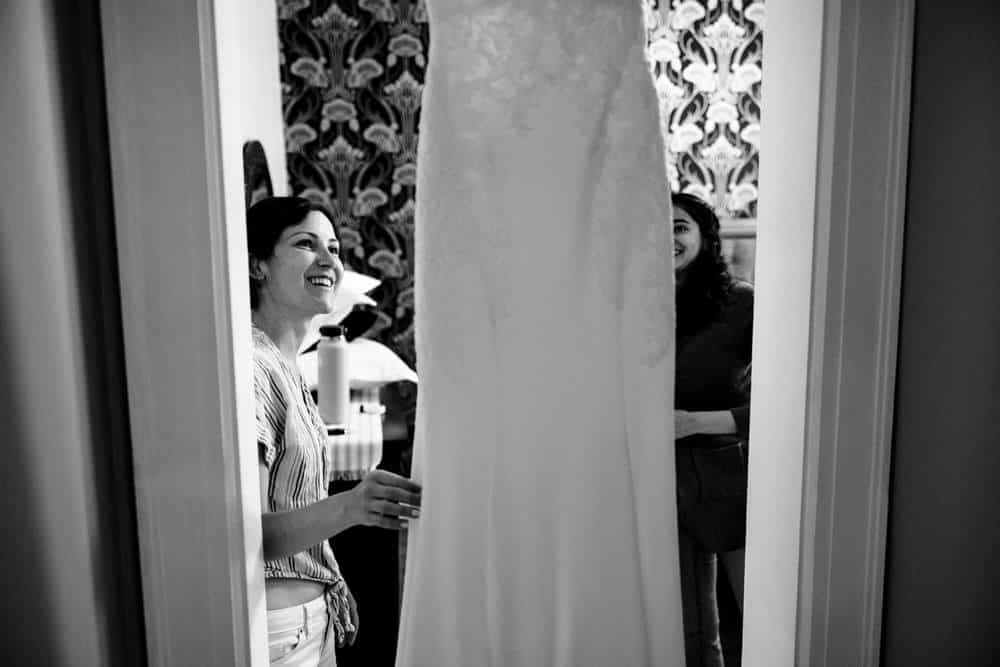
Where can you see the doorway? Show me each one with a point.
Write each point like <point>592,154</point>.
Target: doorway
<point>827,274</point>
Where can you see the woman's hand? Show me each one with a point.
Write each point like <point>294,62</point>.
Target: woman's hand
<point>715,422</point>
<point>380,499</point>
<point>384,499</point>
<point>686,423</point>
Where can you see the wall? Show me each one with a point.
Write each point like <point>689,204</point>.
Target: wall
<point>942,600</point>
<point>352,75</point>
<point>260,86</point>
<point>705,57</point>
<point>70,585</point>
<point>706,61</point>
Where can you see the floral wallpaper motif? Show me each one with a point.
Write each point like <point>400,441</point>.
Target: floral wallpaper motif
<point>352,75</point>
<point>706,61</point>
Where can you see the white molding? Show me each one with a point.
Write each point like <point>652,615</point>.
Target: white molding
<point>783,303</point>
<point>848,165</point>
<point>869,118</point>
<point>894,214</point>
<point>174,171</point>
<point>242,114</point>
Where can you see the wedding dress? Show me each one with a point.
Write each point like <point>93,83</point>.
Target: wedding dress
<point>545,344</point>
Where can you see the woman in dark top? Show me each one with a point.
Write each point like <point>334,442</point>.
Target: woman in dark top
<point>712,414</point>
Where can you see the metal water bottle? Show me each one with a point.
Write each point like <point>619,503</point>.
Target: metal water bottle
<point>333,385</point>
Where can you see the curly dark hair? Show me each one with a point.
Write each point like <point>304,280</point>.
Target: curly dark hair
<point>705,289</point>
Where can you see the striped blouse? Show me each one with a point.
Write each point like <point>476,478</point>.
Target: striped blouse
<point>291,439</point>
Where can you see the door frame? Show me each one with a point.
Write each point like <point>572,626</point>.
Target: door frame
<point>836,104</point>
<point>835,125</point>
<point>173,89</point>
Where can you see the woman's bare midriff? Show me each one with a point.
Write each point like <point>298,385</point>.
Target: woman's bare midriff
<point>283,593</point>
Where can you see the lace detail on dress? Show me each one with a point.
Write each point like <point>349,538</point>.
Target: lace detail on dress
<point>520,92</point>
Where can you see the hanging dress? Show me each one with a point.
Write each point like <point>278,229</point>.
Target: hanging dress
<point>545,344</point>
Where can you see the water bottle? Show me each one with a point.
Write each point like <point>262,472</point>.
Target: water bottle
<point>333,385</point>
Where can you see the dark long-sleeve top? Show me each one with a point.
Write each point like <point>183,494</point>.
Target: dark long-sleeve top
<point>710,364</point>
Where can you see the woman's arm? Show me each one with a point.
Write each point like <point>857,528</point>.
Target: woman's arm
<point>381,499</point>
<point>714,422</point>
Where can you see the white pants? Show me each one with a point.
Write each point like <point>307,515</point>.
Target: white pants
<point>302,635</point>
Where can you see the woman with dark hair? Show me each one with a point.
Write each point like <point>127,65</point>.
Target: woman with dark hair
<point>712,414</point>
<point>295,269</point>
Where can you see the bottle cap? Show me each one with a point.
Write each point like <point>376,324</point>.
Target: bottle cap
<point>331,330</point>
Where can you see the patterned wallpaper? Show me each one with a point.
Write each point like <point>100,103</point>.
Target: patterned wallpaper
<point>352,74</point>
<point>706,61</point>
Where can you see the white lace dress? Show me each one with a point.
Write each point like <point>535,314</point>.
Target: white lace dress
<point>545,346</point>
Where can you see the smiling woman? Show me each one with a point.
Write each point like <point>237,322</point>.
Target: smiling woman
<point>714,338</point>
<point>290,236</point>
<point>295,268</point>
<point>687,240</point>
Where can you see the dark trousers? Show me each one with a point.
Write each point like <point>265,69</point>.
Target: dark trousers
<point>702,647</point>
